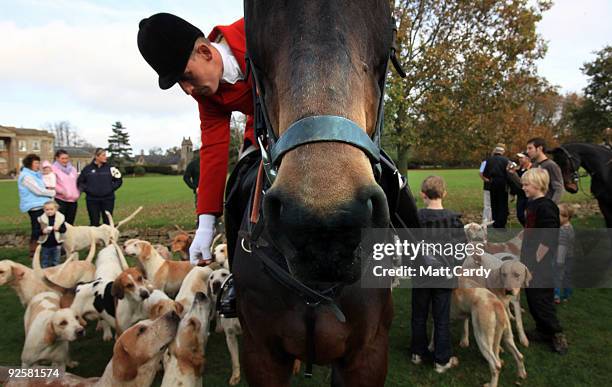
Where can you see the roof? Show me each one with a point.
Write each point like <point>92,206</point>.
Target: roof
<point>159,159</point>
<point>28,132</point>
<point>78,151</point>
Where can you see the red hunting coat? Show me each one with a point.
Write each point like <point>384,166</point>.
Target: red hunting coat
<point>215,115</point>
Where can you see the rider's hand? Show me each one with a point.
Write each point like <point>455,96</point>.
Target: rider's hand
<point>200,247</point>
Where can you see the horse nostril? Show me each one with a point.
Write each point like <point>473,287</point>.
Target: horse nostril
<point>272,207</point>
<point>377,204</point>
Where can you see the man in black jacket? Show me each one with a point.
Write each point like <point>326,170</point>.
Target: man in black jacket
<point>99,181</point>
<point>495,173</point>
<point>191,177</point>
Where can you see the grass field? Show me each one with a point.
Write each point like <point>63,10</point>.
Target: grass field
<point>587,318</point>
<point>168,201</point>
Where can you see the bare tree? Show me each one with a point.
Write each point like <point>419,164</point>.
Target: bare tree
<point>66,134</point>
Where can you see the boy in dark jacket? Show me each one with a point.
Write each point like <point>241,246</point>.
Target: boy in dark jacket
<point>53,226</point>
<point>434,216</point>
<point>540,241</point>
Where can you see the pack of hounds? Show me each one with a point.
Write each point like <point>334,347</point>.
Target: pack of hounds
<point>159,312</point>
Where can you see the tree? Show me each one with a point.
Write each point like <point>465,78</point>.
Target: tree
<point>595,113</point>
<point>119,148</point>
<point>66,135</point>
<point>237,127</point>
<point>469,65</point>
<point>156,151</point>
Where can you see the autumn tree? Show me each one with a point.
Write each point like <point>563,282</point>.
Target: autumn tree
<point>469,65</point>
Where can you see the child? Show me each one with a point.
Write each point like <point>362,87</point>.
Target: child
<point>433,190</point>
<point>53,226</point>
<point>565,254</point>
<point>540,239</point>
<point>48,175</point>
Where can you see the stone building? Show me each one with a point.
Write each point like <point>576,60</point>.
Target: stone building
<point>16,143</point>
<point>186,153</point>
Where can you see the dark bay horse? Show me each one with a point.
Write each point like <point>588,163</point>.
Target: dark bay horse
<point>318,66</point>
<point>597,161</point>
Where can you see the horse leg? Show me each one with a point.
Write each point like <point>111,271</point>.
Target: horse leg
<point>367,368</point>
<point>262,367</point>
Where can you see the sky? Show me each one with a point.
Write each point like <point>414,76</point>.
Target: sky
<point>77,61</point>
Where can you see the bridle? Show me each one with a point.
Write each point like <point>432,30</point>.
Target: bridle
<point>322,128</point>
<point>574,174</point>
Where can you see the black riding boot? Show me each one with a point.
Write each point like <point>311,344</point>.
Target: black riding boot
<point>226,303</point>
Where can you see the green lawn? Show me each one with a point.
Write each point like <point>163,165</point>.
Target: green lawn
<point>587,318</point>
<point>168,201</point>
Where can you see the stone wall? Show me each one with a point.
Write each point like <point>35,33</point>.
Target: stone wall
<point>159,235</point>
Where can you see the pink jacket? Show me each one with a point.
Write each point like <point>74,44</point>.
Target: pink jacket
<point>66,185</point>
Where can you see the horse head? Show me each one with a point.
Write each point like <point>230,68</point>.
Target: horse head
<point>569,163</point>
<point>319,68</point>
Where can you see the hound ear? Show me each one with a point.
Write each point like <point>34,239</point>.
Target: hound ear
<point>50,335</point>
<point>117,290</point>
<point>124,367</point>
<point>145,251</point>
<point>18,272</point>
<point>528,277</point>
<point>179,308</point>
<point>155,311</point>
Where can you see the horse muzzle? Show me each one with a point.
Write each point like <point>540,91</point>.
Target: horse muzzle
<point>323,246</point>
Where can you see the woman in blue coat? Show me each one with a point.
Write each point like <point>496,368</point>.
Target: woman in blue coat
<point>32,195</point>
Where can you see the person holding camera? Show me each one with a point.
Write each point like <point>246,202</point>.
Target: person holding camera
<point>515,172</point>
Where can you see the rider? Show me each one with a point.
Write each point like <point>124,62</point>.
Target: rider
<point>212,71</point>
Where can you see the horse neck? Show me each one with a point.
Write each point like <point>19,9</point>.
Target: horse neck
<point>594,162</point>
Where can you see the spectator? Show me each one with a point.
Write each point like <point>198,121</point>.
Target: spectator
<point>536,148</point>
<point>486,189</point>
<point>565,255</point>
<point>514,181</point>
<point>540,240</point>
<point>433,190</point>
<point>48,175</point>
<point>53,226</point>
<point>99,181</point>
<point>495,172</point>
<point>66,191</point>
<point>32,195</point>
<point>191,177</point>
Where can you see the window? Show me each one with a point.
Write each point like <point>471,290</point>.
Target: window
<point>23,147</point>
<point>36,145</point>
<point>2,145</point>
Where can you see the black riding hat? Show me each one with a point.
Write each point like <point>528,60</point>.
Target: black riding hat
<point>166,42</point>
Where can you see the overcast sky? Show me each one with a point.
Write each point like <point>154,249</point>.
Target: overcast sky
<point>77,60</point>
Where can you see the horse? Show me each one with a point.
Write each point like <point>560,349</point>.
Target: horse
<point>597,161</point>
<point>319,68</point>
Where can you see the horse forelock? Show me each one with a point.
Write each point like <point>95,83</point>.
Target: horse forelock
<point>320,57</point>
